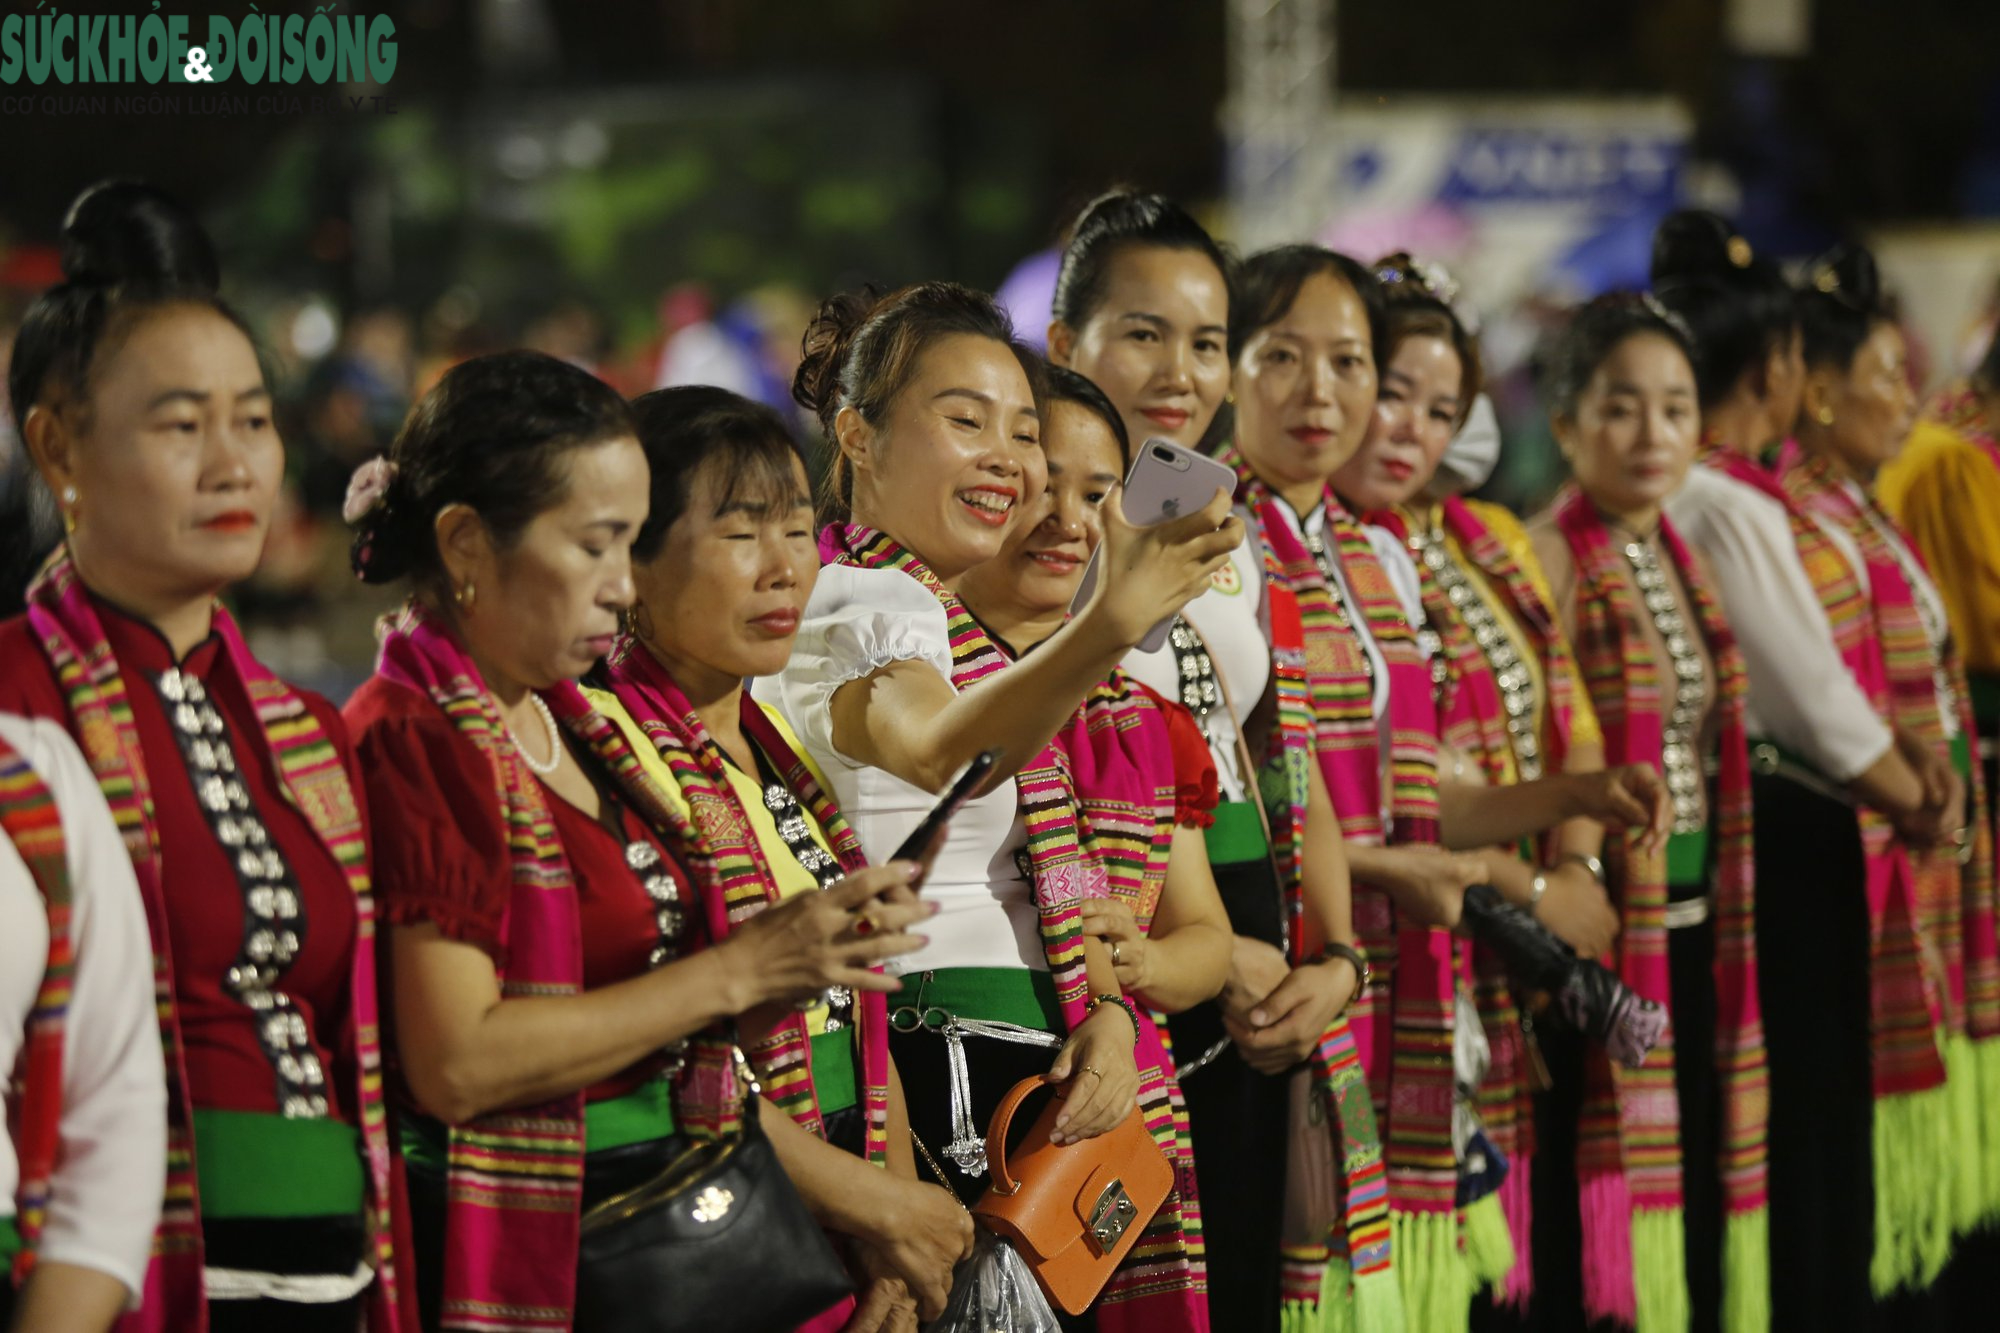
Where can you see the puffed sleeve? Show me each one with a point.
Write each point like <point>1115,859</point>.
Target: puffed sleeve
<point>104,1199</point>
<point>857,622</point>
<point>1945,491</point>
<point>440,838</point>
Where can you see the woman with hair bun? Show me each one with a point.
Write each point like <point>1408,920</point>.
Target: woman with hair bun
<point>141,399</point>
<point>567,988</point>
<point>1664,1166</point>
<point>1839,798</point>
<point>1858,409</point>
<point>935,415</point>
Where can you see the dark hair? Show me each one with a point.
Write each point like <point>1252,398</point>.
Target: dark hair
<point>861,351</point>
<point>1268,283</point>
<point>1111,224</point>
<point>127,248</point>
<point>682,429</point>
<point>493,435</point>
<point>1987,374</point>
<point>1593,333</point>
<point>1416,304</point>
<point>1737,304</point>
<point>1067,386</point>
<point>1839,305</point>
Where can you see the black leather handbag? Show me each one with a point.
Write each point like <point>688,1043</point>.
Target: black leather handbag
<point>720,1239</point>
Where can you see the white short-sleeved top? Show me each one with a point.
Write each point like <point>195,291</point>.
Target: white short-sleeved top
<point>1233,622</point>
<point>1801,693</point>
<point>857,622</point>
<point>105,1198</point>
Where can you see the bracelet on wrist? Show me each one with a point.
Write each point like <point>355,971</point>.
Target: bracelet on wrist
<point>1123,1002</point>
<point>1587,861</point>
<point>1355,959</point>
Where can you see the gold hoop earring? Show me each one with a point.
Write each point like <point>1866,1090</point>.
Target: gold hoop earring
<point>639,622</point>
<point>68,509</point>
<point>465,596</point>
<point>1824,416</point>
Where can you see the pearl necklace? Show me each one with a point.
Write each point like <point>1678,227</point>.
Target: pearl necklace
<point>548,766</point>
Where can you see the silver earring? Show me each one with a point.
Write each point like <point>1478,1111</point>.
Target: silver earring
<point>69,495</point>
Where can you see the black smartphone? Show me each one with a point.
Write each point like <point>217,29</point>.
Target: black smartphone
<point>917,847</point>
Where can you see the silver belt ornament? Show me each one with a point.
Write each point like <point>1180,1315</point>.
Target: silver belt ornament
<point>967,1147</point>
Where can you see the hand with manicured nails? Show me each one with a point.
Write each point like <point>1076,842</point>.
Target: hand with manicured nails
<point>1099,1077</point>
<point>1150,573</point>
<point>798,948</point>
<point>1110,920</point>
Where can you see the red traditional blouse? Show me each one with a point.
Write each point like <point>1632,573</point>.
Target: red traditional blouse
<point>1196,788</point>
<point>226,1068</point>
<point>441,847</point>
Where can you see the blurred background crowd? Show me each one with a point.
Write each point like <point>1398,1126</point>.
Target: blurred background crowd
<point>660,190</point>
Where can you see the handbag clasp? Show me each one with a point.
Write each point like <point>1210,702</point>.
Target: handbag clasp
<point>1110,1217</point>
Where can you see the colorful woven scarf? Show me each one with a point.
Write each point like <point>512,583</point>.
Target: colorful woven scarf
<point>1955,903</point>
<point>1911,1118</point>
<point>1382,779</point>
<point>514,1178</point>
<point>312,773</point>
<point>1473,718</point>
<point>1959,408</point>
<point>31,821</point>
<point>743,874</point>
<point>1629,1159</point>
<point>1121,763</point>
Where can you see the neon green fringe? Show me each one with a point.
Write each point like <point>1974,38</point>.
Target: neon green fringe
<point>1914,1160</point>
<point>1746,1272</point>
<point>1437,1289</point>
<point>1489,1244</point>
<point>1966,1178</point>
<point>1986,1059</point>
<point>1659,1270</point>
<point>1346,1304</point>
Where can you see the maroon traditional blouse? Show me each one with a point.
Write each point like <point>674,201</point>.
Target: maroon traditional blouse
<point>226,1068</point>
<point>441,847</point>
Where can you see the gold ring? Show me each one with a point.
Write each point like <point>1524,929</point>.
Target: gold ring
<point>864,925</point>
<point>1115,960</point>
<point>1090,1069</point>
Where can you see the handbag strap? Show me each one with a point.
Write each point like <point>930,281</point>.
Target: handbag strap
<point>996,1133</point>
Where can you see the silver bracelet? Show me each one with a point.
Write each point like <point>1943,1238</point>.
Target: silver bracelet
<point>1588,862</point>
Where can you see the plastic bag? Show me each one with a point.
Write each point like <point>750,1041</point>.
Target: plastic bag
<point>993,1292</point>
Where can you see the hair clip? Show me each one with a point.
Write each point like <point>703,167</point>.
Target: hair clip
<point>1826,279</point>
<point>1739,252</point>
<point>1658,310</point>
<point>367,488</point>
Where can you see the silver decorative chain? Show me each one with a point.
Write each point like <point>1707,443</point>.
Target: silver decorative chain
<point>1679,752</point>
<point>1336,587</point>
<point>821,865</point>
<point>274,917</point>
<point>1510,673</point>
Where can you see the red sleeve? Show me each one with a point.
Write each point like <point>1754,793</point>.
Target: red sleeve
<point>440,840</point>
<point>1196,793</point>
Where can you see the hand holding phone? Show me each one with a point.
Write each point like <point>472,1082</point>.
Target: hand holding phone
<point>1165,482</point>
<point>921,845</point>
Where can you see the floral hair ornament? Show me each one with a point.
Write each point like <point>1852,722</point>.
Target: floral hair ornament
<point>1433,281</point>
<point>367,488</point>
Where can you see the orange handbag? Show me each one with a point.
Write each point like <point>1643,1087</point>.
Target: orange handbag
<point>1075,1210</point>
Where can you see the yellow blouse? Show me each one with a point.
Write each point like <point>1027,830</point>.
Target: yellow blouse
<point>792,877</point>
<point>1945,491</point>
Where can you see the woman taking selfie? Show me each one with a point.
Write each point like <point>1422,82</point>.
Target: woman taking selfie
<point>548,908</point>
<point>933,412</point>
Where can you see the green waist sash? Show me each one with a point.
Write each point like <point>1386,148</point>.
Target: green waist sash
<point>1017,995</point>
<point>834,1081</point>
<point>250,1164</point>
<point>1687,857</point>
<point>1237,836</point>
<point>10,1241</point>
<point>1961,758</point>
